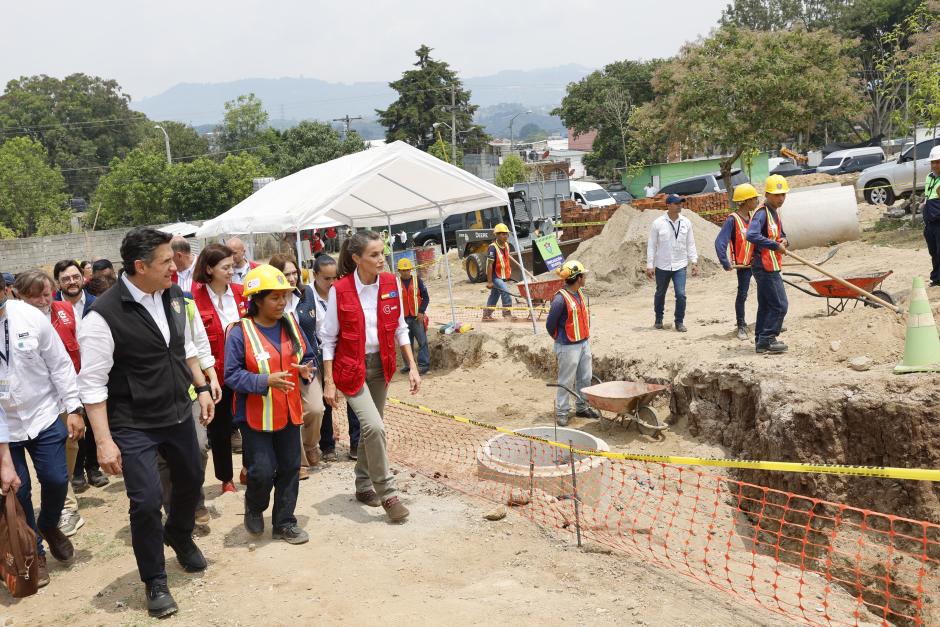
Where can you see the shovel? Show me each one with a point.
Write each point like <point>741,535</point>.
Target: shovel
<point>832,253</point>
<point>843,282</point>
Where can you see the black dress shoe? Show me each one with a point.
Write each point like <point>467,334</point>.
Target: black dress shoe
<point>98,479</point>
<point>160,603</point>
<point>79,484</point>
<point>187,553</point>
<point>254,523</point>
<point>59,545</point>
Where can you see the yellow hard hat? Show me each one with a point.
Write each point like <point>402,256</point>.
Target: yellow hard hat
<point>744,191</point>
<point>572,269</point>
<point>405,264</point>
<point>776,184</point>
<point>500,228</point>
<point>264,278</point>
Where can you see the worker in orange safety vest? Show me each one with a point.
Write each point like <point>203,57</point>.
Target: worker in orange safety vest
<point>735,252</point>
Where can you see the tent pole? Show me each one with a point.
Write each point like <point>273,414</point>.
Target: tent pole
<point>525,280</point>
<point>450,287</point>
<point>300,254</point>
<point>392,240</point>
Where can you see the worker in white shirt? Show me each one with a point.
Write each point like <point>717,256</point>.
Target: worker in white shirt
<point>650,190</point>
<point>669,251</point>
<point>241,264</point>
<point>37,383</point>
<point>184,262</point>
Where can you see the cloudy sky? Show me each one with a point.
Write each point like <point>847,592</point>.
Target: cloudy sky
<point>150,46</point>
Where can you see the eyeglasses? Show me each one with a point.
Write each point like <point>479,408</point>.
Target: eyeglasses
<point>70,279</point>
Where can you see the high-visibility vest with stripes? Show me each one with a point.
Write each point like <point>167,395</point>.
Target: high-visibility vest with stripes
<point>501,269</point>
<point>577,326</point>
<point>272,410</point>
<point>410,297</point>
<point>741,251</point>
<point>770,259</point>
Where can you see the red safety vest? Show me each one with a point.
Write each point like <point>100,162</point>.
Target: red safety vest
<point>212,322</point>
<point>63,321</point>
<point>578,324</point>
<point>740,250</point>
<point>271,411</point>
<point>502,269</point>
<point>770,259</point>
<point>349,357</point>
<point>410,297</point>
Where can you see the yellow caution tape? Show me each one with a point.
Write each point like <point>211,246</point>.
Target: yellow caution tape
<point>568,224</point>
<point>913,474</point>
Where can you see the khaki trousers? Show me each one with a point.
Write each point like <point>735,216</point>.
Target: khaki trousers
<point>71,454</point>
<point>311,395</point>
<point>372,468</point>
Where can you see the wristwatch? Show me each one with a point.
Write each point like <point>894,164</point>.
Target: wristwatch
<point>203,388</point>
<point>80,410</point>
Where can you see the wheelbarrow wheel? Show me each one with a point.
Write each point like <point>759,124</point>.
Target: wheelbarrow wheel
<point>880,294</point>
<point>648,422</point>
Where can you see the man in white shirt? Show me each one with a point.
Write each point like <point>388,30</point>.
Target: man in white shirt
<point>242,265</point>
<point>670,249</point>
<point>37,383</point>
<point>183,260</point>
<point>68,276</point>
<point>650,189</point>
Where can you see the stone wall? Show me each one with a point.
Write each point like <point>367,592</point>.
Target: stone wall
<point>17,255</point>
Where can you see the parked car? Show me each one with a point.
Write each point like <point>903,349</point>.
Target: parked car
<point>883,184</point>
<point>860,163</point>
<point>622,197</point>
<point>481,219</point>
<point>702,183</point>
<point>835,160</point>
<point>591,195</point>
<point>787,168</point>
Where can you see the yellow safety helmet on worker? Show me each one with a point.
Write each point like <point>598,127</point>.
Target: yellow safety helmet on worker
<point>571,269</point>
<point>405,264</point>
<point>776,184</point>
<point>265,278</point>
<point>744,191</point>
<point>500,228</point>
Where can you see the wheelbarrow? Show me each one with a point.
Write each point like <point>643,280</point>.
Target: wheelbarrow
<point>542,292</point>
<point>838,295</point>
<point>629,401</point>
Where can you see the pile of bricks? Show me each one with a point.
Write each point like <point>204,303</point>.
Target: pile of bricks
<point>712,206</point>
<point>573,213</point>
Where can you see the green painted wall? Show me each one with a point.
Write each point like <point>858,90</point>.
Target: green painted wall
<point>671,172</point>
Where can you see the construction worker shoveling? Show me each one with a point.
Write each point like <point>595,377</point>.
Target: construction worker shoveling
<point>569,323</point>
<point>765,232</point>
<point>498,271</point>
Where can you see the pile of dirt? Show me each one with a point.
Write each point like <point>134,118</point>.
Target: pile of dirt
<point>819,178</point>
<point>618,254</point>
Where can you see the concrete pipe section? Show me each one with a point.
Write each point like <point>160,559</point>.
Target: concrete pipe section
<point>524,463</point>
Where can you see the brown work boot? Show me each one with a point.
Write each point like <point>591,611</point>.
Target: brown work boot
<point>60,546</point>
<point>202,516</point>
<point>304,473</point>
<point>395,510</point>
<point>370,498</point>
<point>488,315</point>
<point>43,575</point>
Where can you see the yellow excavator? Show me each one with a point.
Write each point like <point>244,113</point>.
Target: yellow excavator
<point>786,152</point>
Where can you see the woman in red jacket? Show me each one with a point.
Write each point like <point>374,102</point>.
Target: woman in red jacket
<point>220,304</point>
<point>364,322</point>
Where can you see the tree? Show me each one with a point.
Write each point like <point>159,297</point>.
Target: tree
<point>132,193</point>
<point>782,14</point>
<point>309,144</point>
<point>424,95</point>
<point>245,127</point>
<point>239,170</point>
<point>32,193</point>
<point>83,122</point>
<point>605,101</point>
<point>740,90</point>
<point>532,132</point>
<point>446,153</point>
<point>185,142</point>
<point>511,171</point>
<point>914,65</point>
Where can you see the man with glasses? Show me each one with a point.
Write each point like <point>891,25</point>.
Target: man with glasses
<point>68,275</point>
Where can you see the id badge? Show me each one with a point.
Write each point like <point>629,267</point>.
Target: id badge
<point>4,388</point>
<point>263,356</point>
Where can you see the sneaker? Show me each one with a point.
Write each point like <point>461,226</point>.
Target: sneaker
<point>254,523</point>
<point>681,327</point>
<point>658,325</point>
<point>353,455</point>
<point>588,412</point>
<point>187,553</point>
<point>742,333</point>
<point>79,484</point>
<point>202,516</point>
<point>70,523</point>
<point>42,579</point>
<point>395,510</point>
<point>562,420</point>
<point>291,535</point>
<point>160,603</point>
<point>97,478</point>
<point>369,498</point>
<point>236,441</point>
<point>777,347</point>
<point>423,371</point>
<point>243,476</point>
<point>228,486</point>
<point>405,370</point>
<point>328,456</point>
<point>303,473</point>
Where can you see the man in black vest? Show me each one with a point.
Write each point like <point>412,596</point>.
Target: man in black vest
<point>138,361</point>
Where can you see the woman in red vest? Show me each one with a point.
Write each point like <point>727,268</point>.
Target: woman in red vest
<point>266,355</point>
<point>220,305</point>
<point>364,322</point>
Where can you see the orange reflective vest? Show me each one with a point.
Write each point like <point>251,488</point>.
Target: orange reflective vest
<point>410,298</point>
<point>577,326</point>
<point>740,250</point>
<point>502,269</point>
<point>271,411</point>
<point>770,259</point>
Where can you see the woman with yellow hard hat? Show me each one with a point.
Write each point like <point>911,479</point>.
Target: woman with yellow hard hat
<point>765,232</point>
<point>735,252</point>
<point>266,355</point>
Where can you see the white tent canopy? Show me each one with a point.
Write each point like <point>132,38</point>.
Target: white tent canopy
<point>180,228</point>
<point>395,183</point>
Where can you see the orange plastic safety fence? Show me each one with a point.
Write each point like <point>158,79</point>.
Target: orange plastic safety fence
<point>810,560</point>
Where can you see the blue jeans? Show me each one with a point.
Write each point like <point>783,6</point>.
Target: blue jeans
<point>47,450</point>
<point>744,282</point>
<point>273,462</point>
<point>500,292</point>
<point>662,284</point>
<point>771,305</point>
<point>417,333</point>
<point>574,371</point>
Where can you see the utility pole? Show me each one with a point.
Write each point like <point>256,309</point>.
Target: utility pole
<point>346,120</point>
<point>166,139</point>
<point>453,124</point>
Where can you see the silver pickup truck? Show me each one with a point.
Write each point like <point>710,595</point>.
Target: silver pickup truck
<point>885,183</point>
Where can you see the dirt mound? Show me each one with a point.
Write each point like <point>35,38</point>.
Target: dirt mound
<point>618,254</point>
<point>819,178</point>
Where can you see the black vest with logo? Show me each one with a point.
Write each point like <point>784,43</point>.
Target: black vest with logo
<point>148,386</point>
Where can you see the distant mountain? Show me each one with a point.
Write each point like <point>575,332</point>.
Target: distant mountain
<point>289,99</point>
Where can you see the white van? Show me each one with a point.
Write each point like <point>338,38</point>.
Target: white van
<point>835,160</point>
<point>591,195</point>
